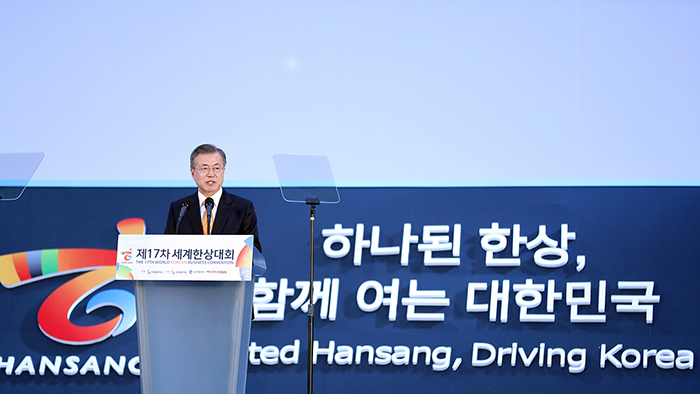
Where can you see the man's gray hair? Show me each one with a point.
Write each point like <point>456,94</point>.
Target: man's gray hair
<point>206,149</point>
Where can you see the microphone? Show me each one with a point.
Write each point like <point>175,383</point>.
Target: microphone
<point>209,205</point>
<point>183,209</point>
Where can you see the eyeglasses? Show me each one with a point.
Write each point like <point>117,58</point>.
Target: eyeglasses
<point>205,170</point>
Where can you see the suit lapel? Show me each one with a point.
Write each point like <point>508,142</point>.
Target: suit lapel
<point>222,212</point>
<point>193,215</point>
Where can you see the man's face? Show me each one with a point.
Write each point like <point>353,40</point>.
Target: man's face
<point>208,180</point>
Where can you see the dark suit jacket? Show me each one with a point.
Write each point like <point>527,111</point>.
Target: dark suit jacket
<point>235,215</point>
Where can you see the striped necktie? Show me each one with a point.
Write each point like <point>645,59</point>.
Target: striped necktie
<point>206,218</point>
<point>205,228</point>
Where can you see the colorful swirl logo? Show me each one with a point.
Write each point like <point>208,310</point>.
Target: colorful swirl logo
<point>98,265</point>
<point>127,255</point>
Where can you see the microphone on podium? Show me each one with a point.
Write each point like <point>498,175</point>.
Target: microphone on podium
<point>209,205</point>
<point>183,209</point>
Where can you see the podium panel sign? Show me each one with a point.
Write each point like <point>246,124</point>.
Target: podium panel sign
<point>185,257</point>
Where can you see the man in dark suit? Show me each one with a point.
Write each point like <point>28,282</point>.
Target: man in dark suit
<point>230,214</point>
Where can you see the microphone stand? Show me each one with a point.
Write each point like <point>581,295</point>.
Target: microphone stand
<point>179,220</point>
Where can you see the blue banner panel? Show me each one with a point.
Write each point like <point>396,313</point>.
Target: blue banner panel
<point>416,290</point>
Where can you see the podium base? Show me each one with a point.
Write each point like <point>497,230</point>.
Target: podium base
<point>193,336</point>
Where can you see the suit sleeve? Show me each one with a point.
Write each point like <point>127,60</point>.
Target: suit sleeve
<point>250,225</point>
<point>170,224</point>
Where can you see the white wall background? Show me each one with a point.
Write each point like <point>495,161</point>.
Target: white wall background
<point>424,92</point>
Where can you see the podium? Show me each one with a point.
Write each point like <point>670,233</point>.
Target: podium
<point>193,335</point>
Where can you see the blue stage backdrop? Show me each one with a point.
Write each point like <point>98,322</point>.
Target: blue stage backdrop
<point>516,290</point>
